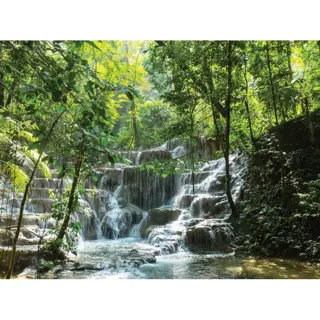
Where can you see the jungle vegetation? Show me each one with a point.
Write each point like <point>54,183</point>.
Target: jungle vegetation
<point>70,105</point>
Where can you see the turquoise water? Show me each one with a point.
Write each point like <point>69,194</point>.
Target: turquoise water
<point>183,265</point>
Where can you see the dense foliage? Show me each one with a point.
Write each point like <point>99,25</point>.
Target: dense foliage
<point>71,105</point>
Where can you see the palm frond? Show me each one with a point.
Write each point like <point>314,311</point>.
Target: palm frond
<point>27,135</point>
<point>34,155</point>
<point>18,177</point>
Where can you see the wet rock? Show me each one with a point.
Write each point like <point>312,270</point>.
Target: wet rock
<point>210,235</point>
<point>57,269</point>
<point>145,231</point>
<point>137,258</point>
<point>208,206</point>
<point>39,205</point>
<point>122,202</point>
<point>132,258</point>
<point>111,179</point>
<point>76,266</point>
<point>152,155</point>
<point>25,256</point>
<point>162,216</point>
<point>89,231</point>
<point>166,239</point>
<point>118,222</point>
<point>158,217</point>
<point>193,222</point>
<point>85,266</point>
<point>27,273</point>
<point>185,200</point>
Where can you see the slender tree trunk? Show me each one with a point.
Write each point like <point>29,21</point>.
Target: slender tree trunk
<point>225,143</point>
<point>71,201</point>
<point>133,105</point>
<point>283,111</point>
<point>24,199</point>
<point>134,123</point>
<point>192,153</point>
<point>13,85</point>
<point>246,102</point>
<point>271,82</point>
<point>227,137</point>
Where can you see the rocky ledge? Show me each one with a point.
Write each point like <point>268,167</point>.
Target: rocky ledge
<point>209,235</point>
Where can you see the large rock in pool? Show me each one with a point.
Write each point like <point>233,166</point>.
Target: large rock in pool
<point>118,222</point>
<point>158,217</point>
<point>210,235</point>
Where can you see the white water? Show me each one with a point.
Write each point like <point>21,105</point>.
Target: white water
<point>115,208</point>
<point>117,213</point>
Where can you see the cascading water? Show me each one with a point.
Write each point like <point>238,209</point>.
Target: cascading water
<point>136,209</point>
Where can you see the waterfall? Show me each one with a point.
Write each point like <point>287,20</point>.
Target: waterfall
<point>128,202</point>
<point>123,202</point>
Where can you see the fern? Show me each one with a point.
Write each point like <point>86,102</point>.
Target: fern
<point>17,176</point>
<point>17,161</point>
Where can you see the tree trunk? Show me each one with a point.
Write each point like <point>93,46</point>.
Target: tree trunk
<point>271,82</point>
<point>225,143</point>
<point>67,217</point>
<point>13,86</point>
<point>227,137</point>
<point>134,124</point>
<point>283,111</point>
<point>246,102</point>
<point>130,96</point>
<point>24,199</point>
<point>192,152</point>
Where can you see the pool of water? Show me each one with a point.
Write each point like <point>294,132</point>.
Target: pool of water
<point>183,264</point>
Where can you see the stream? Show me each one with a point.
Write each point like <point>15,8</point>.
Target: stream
<point>183,265</point>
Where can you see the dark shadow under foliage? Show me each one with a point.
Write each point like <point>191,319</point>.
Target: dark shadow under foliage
<point>282,199</point>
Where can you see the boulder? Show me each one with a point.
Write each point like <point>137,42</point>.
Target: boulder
<point>158,217</point>
<point>162,216</point>
<point>208,206</point>
<point>210,235</point>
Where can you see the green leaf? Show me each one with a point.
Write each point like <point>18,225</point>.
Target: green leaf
<point>60,108</point>
<point>28,89</point>
<point>92,44</point>
<point>104,141</point>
